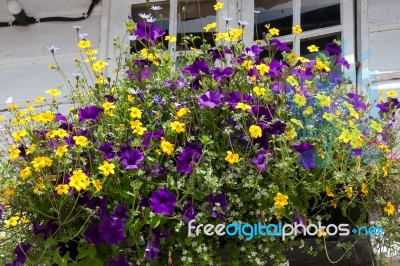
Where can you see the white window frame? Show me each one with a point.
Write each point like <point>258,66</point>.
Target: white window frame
<point>346,29</point>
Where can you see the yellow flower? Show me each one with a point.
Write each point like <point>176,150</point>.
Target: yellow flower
<point>296,29</point>
<point>97,184</point>
<point>183,111</point>
<point>221,35</point>
<point>135,113</point>
<point>79,180</point>
<point>320,65</point>
<point>50,66</point>
<point>24,220</point>
<point>13,154</point>
<point>61,150</point>
<point>108,106</point>
<point>107,168</point>
<point>81,141</point>
<point>25,173</point>
<point>376,126</point>
<point>308,110</point>
<point>391,94</point>
<point>136,123</point>
<point>247,64</point>
<point>13,221</point>
<point>41,162</point>
<point>281,200</point>
<point>297,122</point>
<point>242,106</point>
<point>324,101</point>
<point>9,191</point>
<point>274,32</point>
<point>299,100</point>
<point>345,136</point>
<point>328,191</point>
<point>99,66</point>
<point>18,134</point>
<point>62,189</point>
<point>13,106</point>
<point>91,52</point>
<point>385,169</point>
<point>232,158</point>
<point>255,131</point>
<point>218,5</point>
<point>349,192</point>
<point>38,187</point>
<point>389,208</point>
<point>292,81</point>
<point>328,116</point>
<point>321,233</point>
<point>83,44</point>
<point>364,189</point>
<point>53,92</point>
<point>290,132</point>
<point>259,91</point>
<point>167,147</point>
<point>177,126</point>
<point>210,26</point>
<point>140,130</point>
<point>312,48</point>
<point>170,38</point>
<point>51,134</point>
<point>262,69</point>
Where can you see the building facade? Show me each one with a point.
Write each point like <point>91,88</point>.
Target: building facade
<point>368,29</point>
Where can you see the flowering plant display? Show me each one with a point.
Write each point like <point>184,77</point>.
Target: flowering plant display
<point>221,134</point>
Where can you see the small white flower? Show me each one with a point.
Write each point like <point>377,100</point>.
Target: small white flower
<point>249,53</point>
<point>132,37</point>
<point>83,35</point>
<point>243,23</point>
<point>227,18</point>
<point>151,20</point>
<point>77,27</point>
<point>144,16</point>
<point>155,8</point>
<point>53,48</point>
<point>76,74</point>
<point>256,11</point>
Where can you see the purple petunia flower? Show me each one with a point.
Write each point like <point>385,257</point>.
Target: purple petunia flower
<point>279,46</point>
<point>92,234</point>
<point>196,68</point>
<point>220,74</point>
<point>155,170</point>
<point>217,200</point>
<point>20,250</point>
<point>110,98</point>
<point>152,249</point>
<point>210,99</point>
<point>89,113</point>
<point>356,152</point>
<point>1,210</point>
<point>261,160</point>
<point>163,201</point>
<point>144,202</point>
<point>131,159</point>
<point>190,155</point>
<point>276,68</point>
<point>356,100</point>
<point>333,49</point>
<point>235,97</point>
<point>263,113</point>
<point>108,150</point>
<point>306,151</point>
<point>120,261</point>
<point>60,118</point>
<point>343,62</point>
<point>112,231</point>
<point>148,33</point>
<point>276,128</point>
<point>120,212</point>
<point>189,212</point>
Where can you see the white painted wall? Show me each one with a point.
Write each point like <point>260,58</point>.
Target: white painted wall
<point>24,58</point>
<point>379,38</point>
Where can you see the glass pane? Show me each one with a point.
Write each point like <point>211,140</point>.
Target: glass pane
<point>279,13</point>
<point>319,13</point>
<point>161,16</point>
<point>192,17</point>
<point>319,41</point>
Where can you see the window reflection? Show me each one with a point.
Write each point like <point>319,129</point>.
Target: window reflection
<point>279,13</point>
<point>319,13</point>
<point>192,17</point>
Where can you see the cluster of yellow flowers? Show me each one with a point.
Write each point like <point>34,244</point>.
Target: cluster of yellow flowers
<point>136,125</point>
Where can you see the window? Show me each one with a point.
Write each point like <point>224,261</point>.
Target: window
<point>322,21</point>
